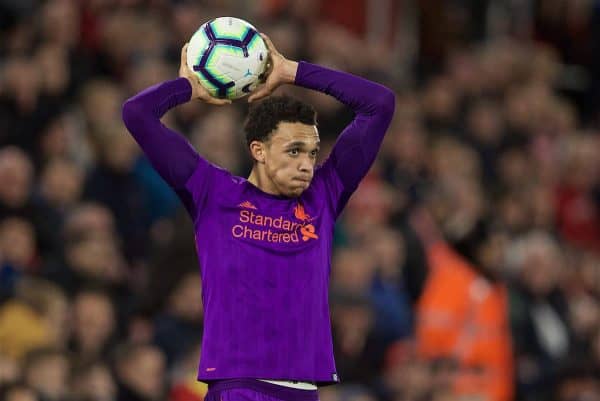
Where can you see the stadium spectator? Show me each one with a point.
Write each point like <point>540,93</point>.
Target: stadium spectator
<point>179,326</point>
<point>93,381</point>
<point>94,325</point>
<point>47,371</point>
<point>18,392</point>
<point>140,372</point>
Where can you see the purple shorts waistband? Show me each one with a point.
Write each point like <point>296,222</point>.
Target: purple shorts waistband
<point>273,390</point>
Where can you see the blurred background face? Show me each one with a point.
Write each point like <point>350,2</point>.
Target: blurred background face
<point>513,166</point>
<point>585,316</point>
<point>52,59</point>
<point>440,100</point>
<point>9,369</point>
<point>23,84</point>
<point>150,71</point>
<point>117,39</point>
<point>409,379</point>
<point>186,300</point>
<point>405,142</point>
<point>92,249</point>
<point>330,393</point>
<point>61,183</point>
<point>49,375</point>
<point>452,158</point>
<point>485,123</point>
<point>370,207</point>
<point>97,257</point>
<point>353,270</point>
<point>117,150</point>
<point>457,204</point>
<point>63,139</point>
<point>58,317</point>
<point>353,321</point>
<point>60,20</point>
<point>17,242</point>
<point>144,372</point>
<point>184,19</point>
<point>218,136</point>
<point>389,250</point>
<point>16,175</point>
<point>491,254</point>
<point>582,163</point>
<point>94,321</point>
<point>513,212</point>
<point>90,218</point>
<point>100,101</point>
<point>21,394</point>
<point>287,37</point>
<point>95,383</point>
<point>541,265</point>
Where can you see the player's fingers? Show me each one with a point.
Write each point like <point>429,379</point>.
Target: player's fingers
<point>269,67</point>
<point>269,44</point>
<point>267,40</point>
<point>256,95</point>
<point>267,71</point>
<point>217,101</point>
<point>184,53</point>
<point>259,94</point>
<point>262,78</point>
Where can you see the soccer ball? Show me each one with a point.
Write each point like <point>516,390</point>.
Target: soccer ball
<point>228,55</point>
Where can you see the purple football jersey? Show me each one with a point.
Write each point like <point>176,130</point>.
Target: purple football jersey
<point>265,259</point>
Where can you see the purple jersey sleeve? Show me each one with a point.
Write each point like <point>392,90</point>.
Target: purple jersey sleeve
<point>170,153</point>
<point>356,147</point>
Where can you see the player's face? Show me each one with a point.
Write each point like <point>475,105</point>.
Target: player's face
<point>290,157</point>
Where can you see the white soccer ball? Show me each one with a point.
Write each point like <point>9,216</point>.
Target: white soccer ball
<point>228,55</point>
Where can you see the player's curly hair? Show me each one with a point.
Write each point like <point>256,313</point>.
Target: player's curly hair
<point>263,117</point>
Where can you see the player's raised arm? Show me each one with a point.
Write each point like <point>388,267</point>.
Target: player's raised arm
<point>169,152</point>
<point>357,146</point>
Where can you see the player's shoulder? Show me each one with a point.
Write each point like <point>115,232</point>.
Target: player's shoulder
<point>210,177</point>
<point>225,180</point>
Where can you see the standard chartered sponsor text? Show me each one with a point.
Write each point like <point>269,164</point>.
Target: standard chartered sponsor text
<point>262,225</point>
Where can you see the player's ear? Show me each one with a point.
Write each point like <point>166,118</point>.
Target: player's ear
<point>257,149</point>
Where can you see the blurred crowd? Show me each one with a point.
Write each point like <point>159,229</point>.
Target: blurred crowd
<point>466,266</point>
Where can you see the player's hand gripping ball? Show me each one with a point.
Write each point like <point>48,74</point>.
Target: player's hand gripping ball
<point>229,57</point>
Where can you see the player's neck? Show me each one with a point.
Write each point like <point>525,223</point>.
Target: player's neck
<point>259,179</point>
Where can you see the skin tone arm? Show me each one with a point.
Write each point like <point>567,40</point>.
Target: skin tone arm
<point>282,71</point>
<point>198,91</point>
